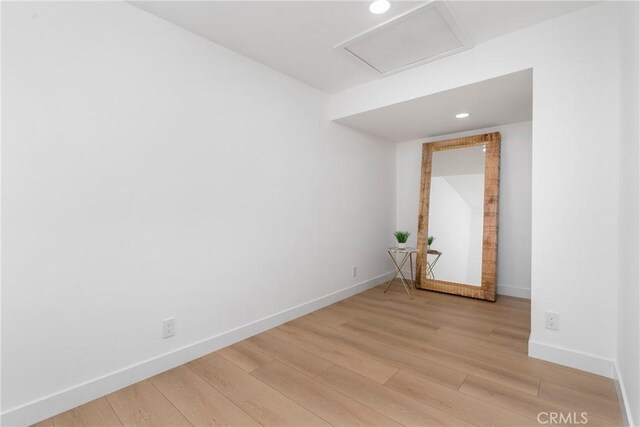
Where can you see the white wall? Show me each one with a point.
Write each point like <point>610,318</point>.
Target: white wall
<point>514,236</point>
<point>149,173</point>
<point>628,357</point>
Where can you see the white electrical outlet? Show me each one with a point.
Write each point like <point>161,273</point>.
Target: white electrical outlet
<point>552,321</point>
<point>354,271</point>
<point>168,328</point>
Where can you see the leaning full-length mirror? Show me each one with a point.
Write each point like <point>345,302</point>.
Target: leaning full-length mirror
<point>457,230</point>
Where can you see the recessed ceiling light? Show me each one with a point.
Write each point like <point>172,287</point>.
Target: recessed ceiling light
<point>462,115</point>
<point>379,7</point>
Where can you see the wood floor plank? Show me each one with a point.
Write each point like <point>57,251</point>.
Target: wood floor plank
<point>453,360</point>
<point>352,310</point>
<point>508,398</point>
<point>475,309</point>
<point>458,404</point>
<point>511,332</point>
<point>245,356</point>
<point>339,354</point>
<point>398,312</point>
<point>198,401</point>
<point>332,406</point>
<point>506,345</point>
<point>402,330</point>
<point>304,361</point>
<point>516,401</point>
<point>582,401</point>
<point>397,406</point>
<point>509,339</point>
<point>142,404</point>
<point>477,306</point>
<point>326,318</point>
<point>471,314</point>
<point>364,309</point>
<point>388,354</point>
<point>523,364</point>
<point>266,405</point>
<point>95,413</point>
<point>579,380</point>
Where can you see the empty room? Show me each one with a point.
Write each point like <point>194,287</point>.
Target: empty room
<point>300,213</point>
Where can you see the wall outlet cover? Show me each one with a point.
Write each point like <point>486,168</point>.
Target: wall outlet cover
<point>168,328</point>
<point>552,321</point>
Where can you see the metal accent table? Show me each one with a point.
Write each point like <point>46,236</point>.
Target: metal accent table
<point>407,254</point>
<point>433,263</point>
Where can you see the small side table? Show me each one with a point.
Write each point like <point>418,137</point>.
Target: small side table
<point>407,254</point>
<point>432,264</point>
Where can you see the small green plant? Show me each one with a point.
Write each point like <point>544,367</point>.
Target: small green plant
<point>402,236</point>
<point>430,240</point>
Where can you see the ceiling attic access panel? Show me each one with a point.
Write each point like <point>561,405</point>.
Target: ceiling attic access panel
<point>423,34</point>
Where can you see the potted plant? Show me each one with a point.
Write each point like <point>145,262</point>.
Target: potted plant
<point>401,237</point>
<point>430,240</point>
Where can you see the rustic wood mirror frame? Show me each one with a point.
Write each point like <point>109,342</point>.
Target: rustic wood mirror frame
<point>487,289</point>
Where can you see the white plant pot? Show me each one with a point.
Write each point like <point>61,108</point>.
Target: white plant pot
<point>402,245</point>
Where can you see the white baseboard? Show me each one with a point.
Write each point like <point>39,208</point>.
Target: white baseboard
<point>514,291</point>
<point>624,399</point>
<point>64,400</point>
<point>575,359</point>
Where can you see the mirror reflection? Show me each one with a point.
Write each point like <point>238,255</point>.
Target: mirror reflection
<point>456,208</point>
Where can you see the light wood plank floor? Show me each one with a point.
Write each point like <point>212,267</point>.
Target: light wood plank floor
<point>374,359</point>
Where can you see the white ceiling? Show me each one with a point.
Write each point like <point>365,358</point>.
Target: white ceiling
<point>502,100</point>
<point>298,37</point>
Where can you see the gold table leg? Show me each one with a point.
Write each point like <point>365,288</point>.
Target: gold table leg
<point>407,255</point>
<point>430,266</point>
<point>413,279</point>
